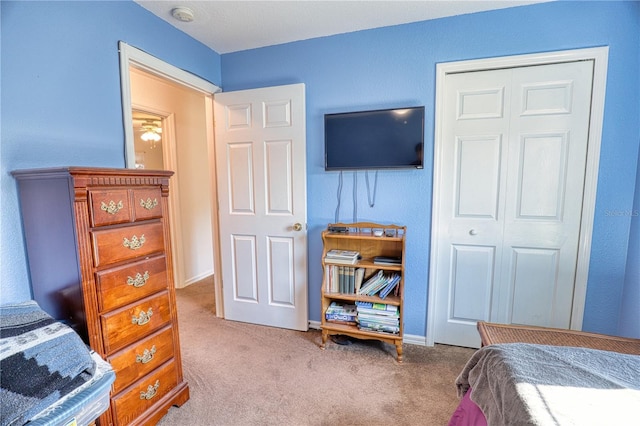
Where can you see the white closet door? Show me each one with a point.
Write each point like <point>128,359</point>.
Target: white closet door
<point>513,164</point>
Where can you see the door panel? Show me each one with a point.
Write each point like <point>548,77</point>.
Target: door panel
<point>278,179</point>
<point>543,168</point>
<point>472,280</point>
<point>245,280</point>
<point>240,183</point>
<point>513,158</point>
<point>534,275</point>
<point>260,157</point>
<point>478,182</point>
<point>281,282</point>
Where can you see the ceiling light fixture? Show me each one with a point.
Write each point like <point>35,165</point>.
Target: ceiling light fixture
<point>151,132</point>
<point>183,14</point>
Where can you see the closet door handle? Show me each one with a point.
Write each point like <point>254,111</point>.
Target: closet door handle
<point>473,232</point>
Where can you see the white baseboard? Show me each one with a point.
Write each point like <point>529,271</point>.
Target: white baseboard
<point>410,339</point>
<point>195,279</point>
<point>314,325</point>
<point>414,339</point>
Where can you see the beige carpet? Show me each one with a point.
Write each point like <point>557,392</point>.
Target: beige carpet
<point>244,374</point>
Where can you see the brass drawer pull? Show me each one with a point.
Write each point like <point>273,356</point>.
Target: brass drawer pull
<point>143,318</point>
<point>112,207</point>
<point>139,280</point>
<point>135,242</point>
<point>147,355</point>
<point>149,204</point>
<point>151,391</point>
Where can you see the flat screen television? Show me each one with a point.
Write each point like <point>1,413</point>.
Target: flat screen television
<point>377,139</point>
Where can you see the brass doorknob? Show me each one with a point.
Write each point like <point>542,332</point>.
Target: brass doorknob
<point>297,227</point>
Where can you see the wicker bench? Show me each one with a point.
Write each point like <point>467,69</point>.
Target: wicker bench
<point>492,333</point>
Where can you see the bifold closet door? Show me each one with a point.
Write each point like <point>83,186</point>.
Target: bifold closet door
<point>513,160</point>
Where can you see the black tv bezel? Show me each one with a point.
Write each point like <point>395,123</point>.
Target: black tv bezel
<point>392,167</point>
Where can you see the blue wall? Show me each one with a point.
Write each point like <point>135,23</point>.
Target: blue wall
<point>60,100</point>
<point>630,310</point>
<point>395,66</point>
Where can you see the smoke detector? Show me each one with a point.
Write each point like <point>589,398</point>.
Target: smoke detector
<point>183,14</point>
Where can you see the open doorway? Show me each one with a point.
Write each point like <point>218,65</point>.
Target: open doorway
<point>179,106</point>
<point>182,148</point>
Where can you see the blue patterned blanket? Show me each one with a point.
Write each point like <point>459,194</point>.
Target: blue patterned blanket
<point>41,360</point>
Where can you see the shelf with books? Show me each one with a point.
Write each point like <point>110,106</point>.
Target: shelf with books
<point>376,276</point>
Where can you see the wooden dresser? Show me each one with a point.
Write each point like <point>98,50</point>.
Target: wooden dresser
<point>99,253</point>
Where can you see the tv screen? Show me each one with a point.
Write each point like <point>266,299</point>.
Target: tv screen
<point>379,139</point>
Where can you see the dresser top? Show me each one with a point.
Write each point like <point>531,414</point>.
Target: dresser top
<point>93,171</point>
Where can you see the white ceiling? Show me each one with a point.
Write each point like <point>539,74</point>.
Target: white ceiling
<point>230,26</point>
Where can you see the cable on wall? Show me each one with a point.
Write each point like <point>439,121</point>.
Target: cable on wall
<point>339,193</point>
<point>355,197</point>
<point>372,200</point>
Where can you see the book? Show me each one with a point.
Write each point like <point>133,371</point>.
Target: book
<point>379,328</point>
<point>379,282</point>
<point>379,319</point>
<point>339,261</point>
<point>344,257</point>
<point>351,274</point>
<point>341,312</point>
<point>390,286</point>
<point>387,260</point>
<point>341,317</point>
<point>366,311</point>
<point>341,307</point>
<point>336,275</point>
<point>342,254</point>
<point>358,277</point>
<point>372,281</point>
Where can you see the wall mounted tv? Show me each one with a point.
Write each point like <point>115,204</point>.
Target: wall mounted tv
<point>378,139</point>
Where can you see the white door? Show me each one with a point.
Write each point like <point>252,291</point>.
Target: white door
<point>513,168</point>
<point>260,140</point>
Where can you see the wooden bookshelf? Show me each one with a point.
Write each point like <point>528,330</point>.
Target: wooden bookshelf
<point>362,237</point>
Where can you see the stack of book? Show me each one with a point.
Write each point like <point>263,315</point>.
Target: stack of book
<point>344,257</point>
<point>343,279</point>
<point>341,313</point>
<point>380,283</point>
<point>380,317</point>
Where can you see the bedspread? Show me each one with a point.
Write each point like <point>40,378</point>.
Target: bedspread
<point>41,360</point>
<point>528,384</point>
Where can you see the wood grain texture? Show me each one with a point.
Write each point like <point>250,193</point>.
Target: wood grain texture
<point>118,280</point>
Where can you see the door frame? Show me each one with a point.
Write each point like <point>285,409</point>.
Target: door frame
<point>131,57</point>
<point>599,55</point>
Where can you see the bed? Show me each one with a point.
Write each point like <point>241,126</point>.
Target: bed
<point>542,376</point>
<point>48,376</point>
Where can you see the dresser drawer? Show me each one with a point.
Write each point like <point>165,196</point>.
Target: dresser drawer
<point>118,244</point>
<point>125,284</point>
<point>142,357</point>
<point>109,207</point>
<point>146,392</point>
<point>147,203</point>
<point>131,323</point>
